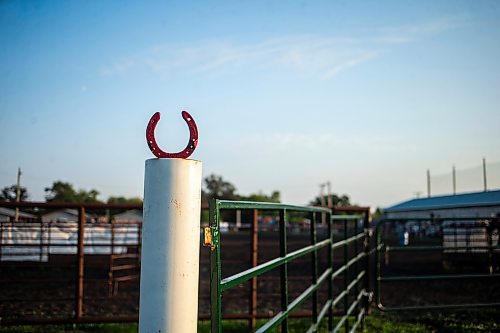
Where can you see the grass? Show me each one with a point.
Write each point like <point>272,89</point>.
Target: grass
<point>463,321</point>
<point>470,321</point>
<point>374,323</point>
<point>74,328</point>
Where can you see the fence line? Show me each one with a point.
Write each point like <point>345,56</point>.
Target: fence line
<point>219,284</point>
<point>462,242</point>
<point>31,244</point>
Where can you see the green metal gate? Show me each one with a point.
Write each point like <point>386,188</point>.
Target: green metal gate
<point>347,234</point>
<point>454,263</point>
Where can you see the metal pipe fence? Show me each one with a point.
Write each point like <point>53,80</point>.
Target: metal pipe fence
<point>458,255</point>
<point>57,271</point>
<point>353,269</point>
<point>85,268</point>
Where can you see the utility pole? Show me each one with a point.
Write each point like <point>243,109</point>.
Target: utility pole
<point>454,181</point>
<point>329,198</point>
<point>484,175</point>
<point>322,194</point>
<point>428,183</point>
<point>322,200</point>
<point>18,193</point>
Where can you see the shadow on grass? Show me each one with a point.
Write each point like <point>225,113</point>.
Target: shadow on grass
<point>465,321</point>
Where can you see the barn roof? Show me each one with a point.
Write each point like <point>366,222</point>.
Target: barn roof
<point>475,199</point>
<point>129,215</point>
<point>11,213</point>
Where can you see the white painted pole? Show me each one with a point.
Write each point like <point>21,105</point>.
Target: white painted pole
<point>484,175</point>
<point>170,246</point>
<point>330,197</point>
<point>428,183</point>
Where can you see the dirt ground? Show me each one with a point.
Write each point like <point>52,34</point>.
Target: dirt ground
<point>47,290</point>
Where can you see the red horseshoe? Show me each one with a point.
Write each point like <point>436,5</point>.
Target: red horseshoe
<point>153,146</point>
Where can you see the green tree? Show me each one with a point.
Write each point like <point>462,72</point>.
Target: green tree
<point>260,196</point>
<point>9,193</point>
<point>377,213</point>
<point>123,200</point>
<point>64,192</point>
<point>338,200</point>
<point>217,188</point>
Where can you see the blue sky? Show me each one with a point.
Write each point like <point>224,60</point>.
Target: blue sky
<point>286,94</point>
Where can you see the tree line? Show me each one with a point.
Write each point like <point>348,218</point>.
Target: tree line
<point>61,191</point>
<point>213,187</point>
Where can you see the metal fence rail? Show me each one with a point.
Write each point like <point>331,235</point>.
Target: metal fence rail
<point>352,264</point>
<point>469,240</point>
<point>353,271</point>
<point>54,271</point>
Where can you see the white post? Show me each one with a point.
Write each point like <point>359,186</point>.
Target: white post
<point>428,183</point>
<point>484,175</point>
<point>330,197</point>
<point>170,246</point>
<point>454,174</point>
<point>238,218</point>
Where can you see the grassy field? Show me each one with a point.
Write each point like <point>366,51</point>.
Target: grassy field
<point>437,322</point>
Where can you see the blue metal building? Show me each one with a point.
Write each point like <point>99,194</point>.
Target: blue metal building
<point>475,204</point>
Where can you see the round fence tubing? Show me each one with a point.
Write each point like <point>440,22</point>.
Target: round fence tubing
<point>170,246</point>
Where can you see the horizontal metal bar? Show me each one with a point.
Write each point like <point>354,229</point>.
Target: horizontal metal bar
<point>67,320</point>
<point>324,310</point>
<point>121,319</point>
<point>124,267</point>
<point>437,307</point>
<point>351,209</point>
<point>339,271</point>
<point>308,249</point>
<point>356,258</point>
<point>276,320</point>
<point>229,204</point>
<point>339,298</point>
<point>306,293</point>
<point>246,275</point>
<point>440,219</point>
<point>339,324</point>
<point>356,280</point>
<point>37,300</point>
<point>68,280</point>
<point>435,277</point>
<point>47,245</point>
<point>351,308</point>
<point>124,256</point>
<point>439,247</point>
<point>348,240</point>
<point>69,205</point>
<point>262,315</point>
<point>358,320</point>
<point>372,251</point>
<point>347,217</point>
<point>355,302</point>
<point>280,316</point>
<point>349,287</point>
<point>349,263</point>
<point>321,315</point>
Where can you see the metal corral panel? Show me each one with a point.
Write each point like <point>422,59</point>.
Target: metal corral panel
<point>468,237</point>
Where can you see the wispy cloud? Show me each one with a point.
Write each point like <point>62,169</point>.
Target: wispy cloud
<point>278,143</point>
<point>432,27</point>
<point>350,63</point>
<point>118,67</point>
<point>320,56</point>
